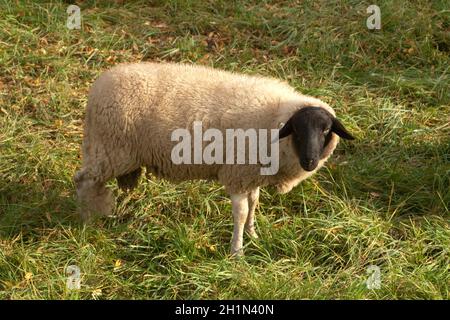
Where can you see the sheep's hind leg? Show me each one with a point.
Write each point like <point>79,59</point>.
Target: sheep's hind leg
<point>239,204</point>
<point>252,199</point>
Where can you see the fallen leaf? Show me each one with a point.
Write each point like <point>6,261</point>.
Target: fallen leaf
<point>111,59</point>
<point>288,50</point>
<point>96,293</point>
<point>160,25</point>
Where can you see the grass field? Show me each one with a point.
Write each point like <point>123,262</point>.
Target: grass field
<point>382,200</point>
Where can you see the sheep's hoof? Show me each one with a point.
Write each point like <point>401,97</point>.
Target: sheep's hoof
<point>237,253</point>
<point>252,233</point>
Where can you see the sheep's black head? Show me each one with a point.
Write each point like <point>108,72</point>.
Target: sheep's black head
<point>312,129</point>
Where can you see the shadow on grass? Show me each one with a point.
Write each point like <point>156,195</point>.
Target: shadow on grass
<point>408,179</point>
<point>30,206</point>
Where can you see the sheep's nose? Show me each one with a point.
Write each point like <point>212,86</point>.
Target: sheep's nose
<point>309,164</point>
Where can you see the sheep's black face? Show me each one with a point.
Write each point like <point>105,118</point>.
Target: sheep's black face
<point>311,129</point>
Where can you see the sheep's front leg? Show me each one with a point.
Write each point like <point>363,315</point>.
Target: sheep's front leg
<point>239,204</point>
<point>252,199</point>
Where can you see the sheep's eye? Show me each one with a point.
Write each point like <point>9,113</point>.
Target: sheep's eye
<point>326,131</point>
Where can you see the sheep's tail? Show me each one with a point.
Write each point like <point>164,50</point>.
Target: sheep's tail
<point>129,181</point>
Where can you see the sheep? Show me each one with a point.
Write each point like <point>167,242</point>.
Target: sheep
<point>133,110</point>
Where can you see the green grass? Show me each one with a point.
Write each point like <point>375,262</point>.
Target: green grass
<point>382,200</point>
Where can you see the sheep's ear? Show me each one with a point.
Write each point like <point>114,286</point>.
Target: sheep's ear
<point>285,130</point>
<point>340,130</point>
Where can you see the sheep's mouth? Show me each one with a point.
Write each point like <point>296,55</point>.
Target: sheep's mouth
<point>310,165</point>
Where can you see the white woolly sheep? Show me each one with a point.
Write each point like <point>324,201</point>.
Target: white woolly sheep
<point>133,110</point>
